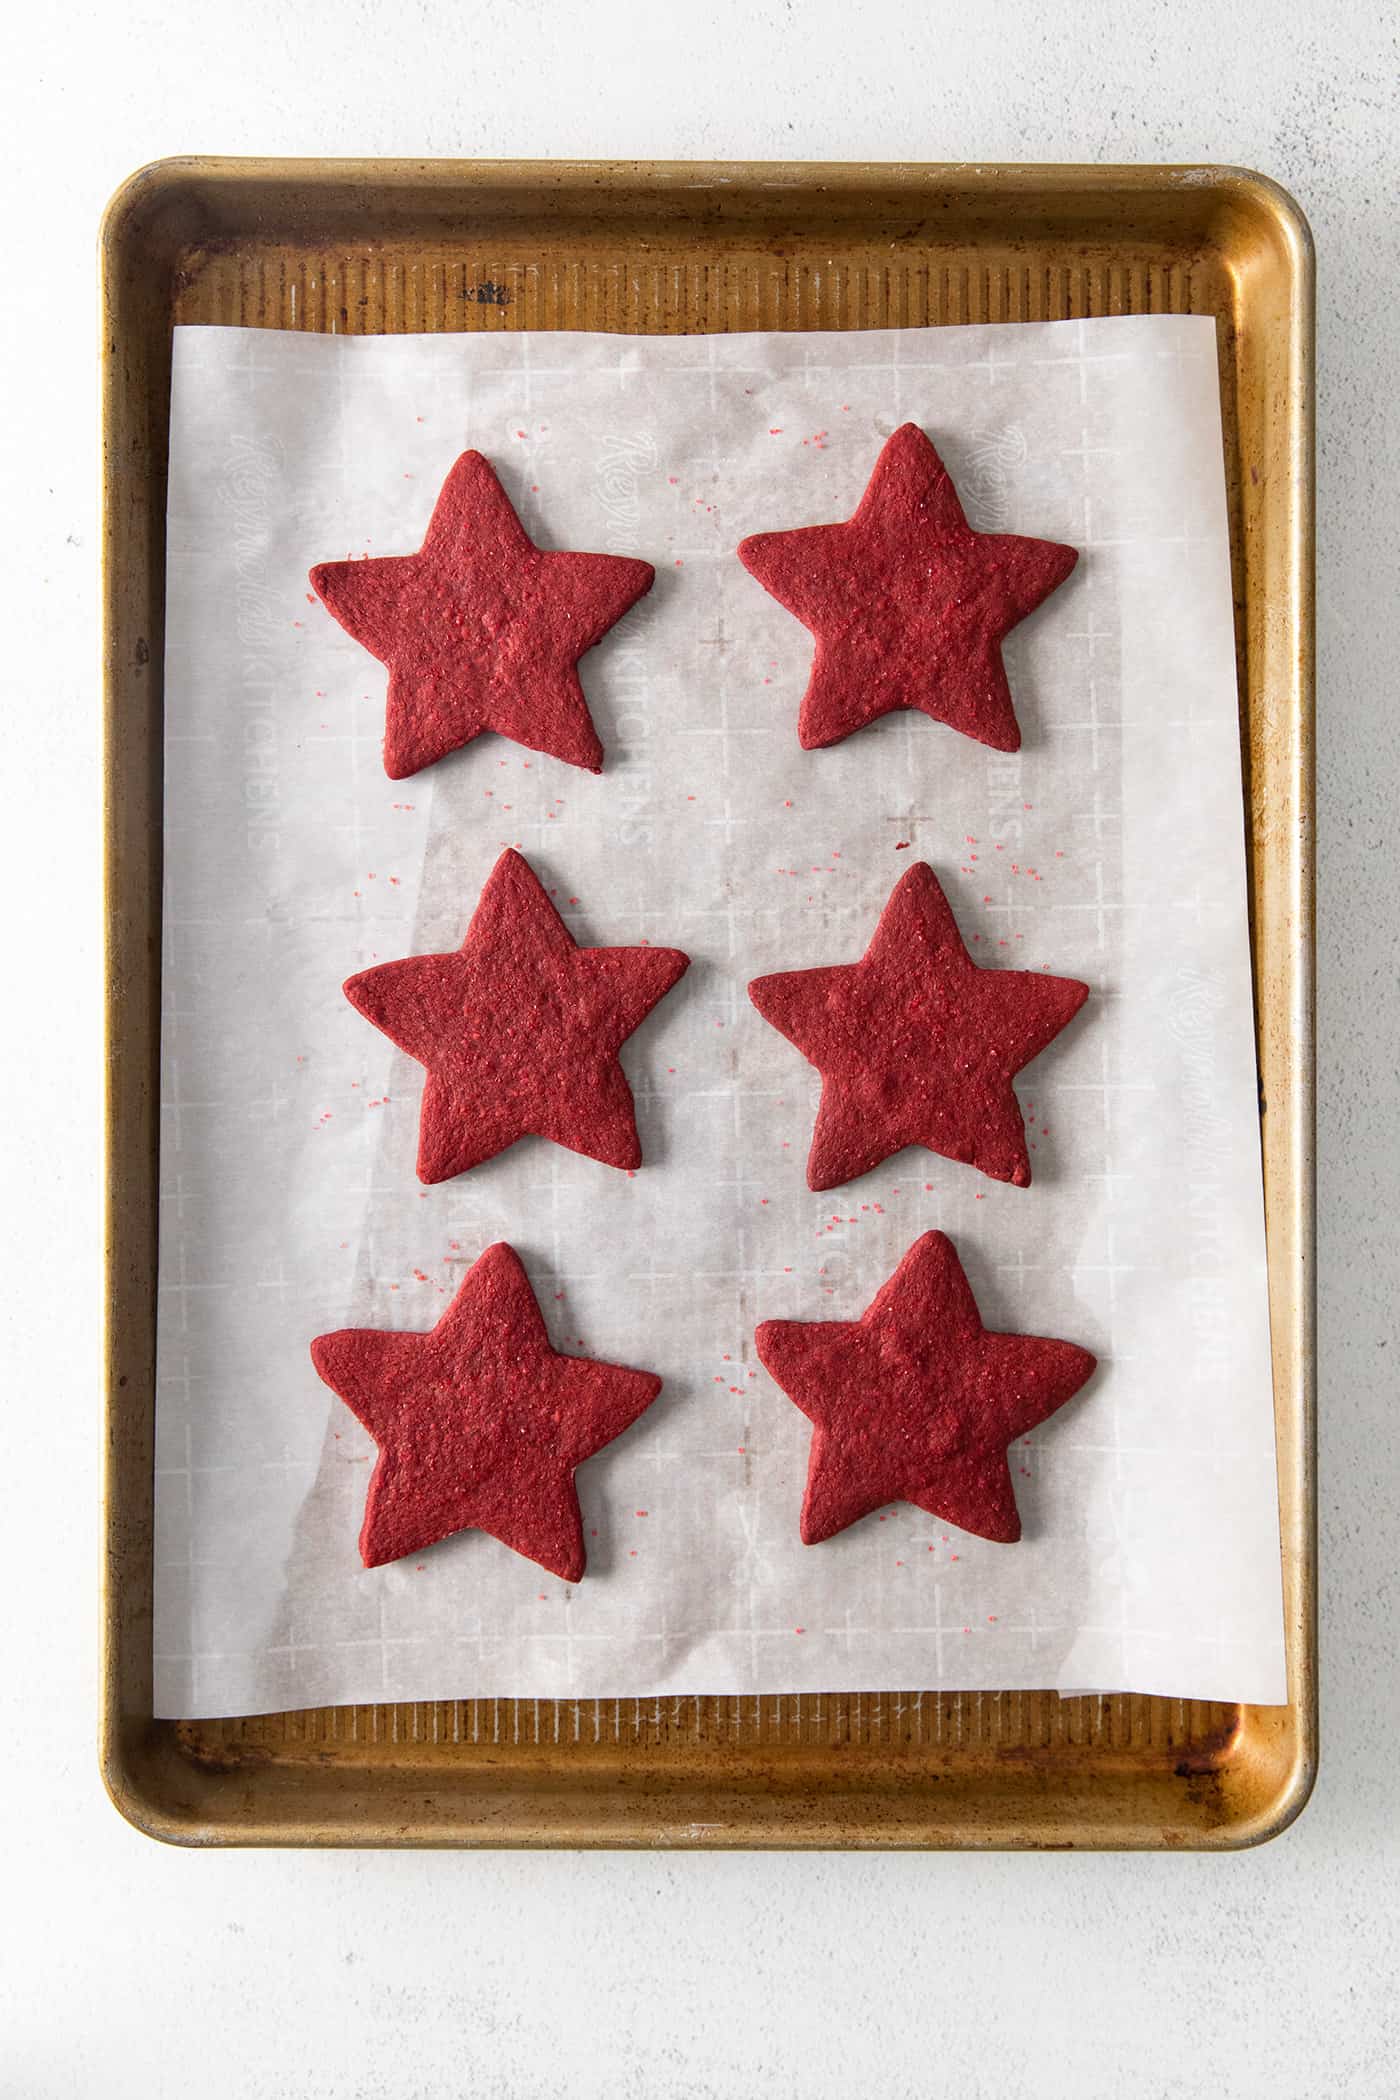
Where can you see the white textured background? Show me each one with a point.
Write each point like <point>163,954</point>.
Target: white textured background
<point>126,1969</point>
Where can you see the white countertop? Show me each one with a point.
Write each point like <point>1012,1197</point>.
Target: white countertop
<point>130,1969</point>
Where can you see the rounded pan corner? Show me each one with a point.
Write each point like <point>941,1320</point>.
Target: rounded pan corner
<point>1270,195</point>
<point>135,1793</point>
<point>154,178</point>
<point>1293,1797</point>
<point>1281,1811</point>
<point>135,1803</point>
<point>158,194</point>
<point>1268,202</point>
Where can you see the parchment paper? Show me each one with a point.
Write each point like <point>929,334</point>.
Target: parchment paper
<point>1110,849</point>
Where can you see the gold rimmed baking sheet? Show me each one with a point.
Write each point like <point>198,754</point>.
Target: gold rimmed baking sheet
<point>376,247</point>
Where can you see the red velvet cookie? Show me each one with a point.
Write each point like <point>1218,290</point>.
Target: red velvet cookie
<point>480,1423</point>
<point>915,1401</point>
<point>482,629</point>
<point>916,1044</point>
<point>519,1030</point>
<point>908,604</point>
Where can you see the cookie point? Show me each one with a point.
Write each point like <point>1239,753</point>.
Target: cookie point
<point>371,1552</point>
<point>500,1261</point>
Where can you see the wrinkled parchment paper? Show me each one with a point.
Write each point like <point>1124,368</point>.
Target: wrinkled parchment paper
<point>1110,848</point>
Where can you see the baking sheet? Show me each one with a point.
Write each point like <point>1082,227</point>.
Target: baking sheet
<point>1109,848</point>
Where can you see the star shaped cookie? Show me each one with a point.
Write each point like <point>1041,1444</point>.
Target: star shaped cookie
<point>518,1030</point>
<point>480,1423</point>
<point>916,1044</point>
<point>482,629</point>
<point>908,604</point>
<point>916,1401</point>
